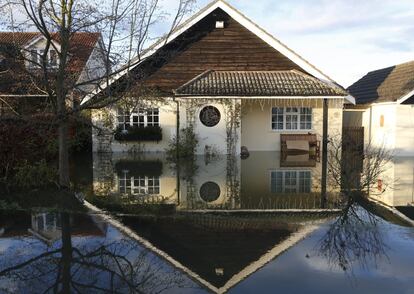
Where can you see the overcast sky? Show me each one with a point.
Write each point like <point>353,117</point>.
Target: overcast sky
<point>343,38</point>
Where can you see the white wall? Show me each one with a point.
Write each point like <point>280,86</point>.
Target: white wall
<point>397,133</point>
<point>214,137</point>
<point>378,136</point>
<point>404,130</point>
<point>398,182</point>
<point>256,131</point>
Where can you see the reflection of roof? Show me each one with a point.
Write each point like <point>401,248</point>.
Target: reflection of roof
<point>257,83</point>
<point>218,251</point>
<point>386,84</point>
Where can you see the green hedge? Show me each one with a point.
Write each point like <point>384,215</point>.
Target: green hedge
<point>149,133</point>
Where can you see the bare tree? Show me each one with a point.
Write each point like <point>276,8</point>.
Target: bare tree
<point>353,238</point>
<point>125,27</point>
<point>355,167</point>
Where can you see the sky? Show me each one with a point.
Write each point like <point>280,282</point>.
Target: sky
<point>343,38</point>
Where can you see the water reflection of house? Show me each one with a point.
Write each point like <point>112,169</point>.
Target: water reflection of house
<point>134,180</point>
<point>46,226</point>
<point>219,251</point>
<point>261,181</point>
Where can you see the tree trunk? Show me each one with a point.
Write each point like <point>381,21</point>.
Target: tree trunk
<point>64,180</point>
<point>66,252</point>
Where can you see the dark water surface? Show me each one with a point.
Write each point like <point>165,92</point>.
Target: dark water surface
<point>216,225</point>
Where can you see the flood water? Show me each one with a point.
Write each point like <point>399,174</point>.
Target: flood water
<point>141,224</point>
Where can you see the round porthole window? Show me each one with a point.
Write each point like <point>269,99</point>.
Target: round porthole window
<point>210,116</point>
<point>209,191</point>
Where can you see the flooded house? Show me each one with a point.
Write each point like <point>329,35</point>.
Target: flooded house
<point>232,83</point>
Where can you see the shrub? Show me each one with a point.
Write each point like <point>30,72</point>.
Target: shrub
<point>149,133</point>
<point>35,175</point>
<point>22,143</point>
<point>186,145</point>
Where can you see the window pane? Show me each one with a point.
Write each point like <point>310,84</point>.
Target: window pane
<point>277,118</point>
<point>52,58</point>
<point>33,56</point>
<point>306,118</point>
<point>135,120</point>
<point>153,117</point>
<point>276,184</point>
<point>305,182</point>
<point>291,121</point>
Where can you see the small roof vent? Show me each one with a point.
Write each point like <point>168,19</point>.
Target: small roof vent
<point>219,24</point>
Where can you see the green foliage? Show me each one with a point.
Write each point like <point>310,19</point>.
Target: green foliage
<point>33,175</point>
<point>149,133</point>
<point>23,144</point>
<point>186,145</point>
<point>80,134</point>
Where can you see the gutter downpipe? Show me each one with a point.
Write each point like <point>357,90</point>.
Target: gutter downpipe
<point>177,144</point>
<point>324,152</point>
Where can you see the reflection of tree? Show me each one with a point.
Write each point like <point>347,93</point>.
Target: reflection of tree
<point>354,237</point>
<point>120,266</point>
<point>353,166</point>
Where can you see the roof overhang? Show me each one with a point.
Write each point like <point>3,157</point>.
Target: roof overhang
<point>36,39</point>
<point>405,97</point>
<point>264,97</point>
<point>237,16</point>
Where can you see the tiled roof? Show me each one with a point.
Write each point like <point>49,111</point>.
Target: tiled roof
<point>387,84</point>
<point>82,45</point>
<point>257,83</point>
<point>22,38</point>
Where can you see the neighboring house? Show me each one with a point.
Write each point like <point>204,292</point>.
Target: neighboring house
<point>385,108</point>
<point>22,86</point>
<point>231,82</point>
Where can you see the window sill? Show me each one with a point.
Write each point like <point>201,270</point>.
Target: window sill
<point>292,131</point>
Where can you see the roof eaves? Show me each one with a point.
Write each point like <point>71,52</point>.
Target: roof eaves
<point>199,77</point>
<point>405,97</point>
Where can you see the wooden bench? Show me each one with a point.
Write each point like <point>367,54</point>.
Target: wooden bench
<point>313,147</point>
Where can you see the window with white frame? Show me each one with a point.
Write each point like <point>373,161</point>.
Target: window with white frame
<point>291,118</point>
<point>139,185</point>
<point>35,56</point>
<point>290,181</point>
<point>139,118</point>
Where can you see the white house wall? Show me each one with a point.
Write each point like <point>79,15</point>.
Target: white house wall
<point>93,70</point>
<point>404,130</point>
<point>213,138</point>
<point>397,182</point>
<point>256,131</point>
<point>375,135</point>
